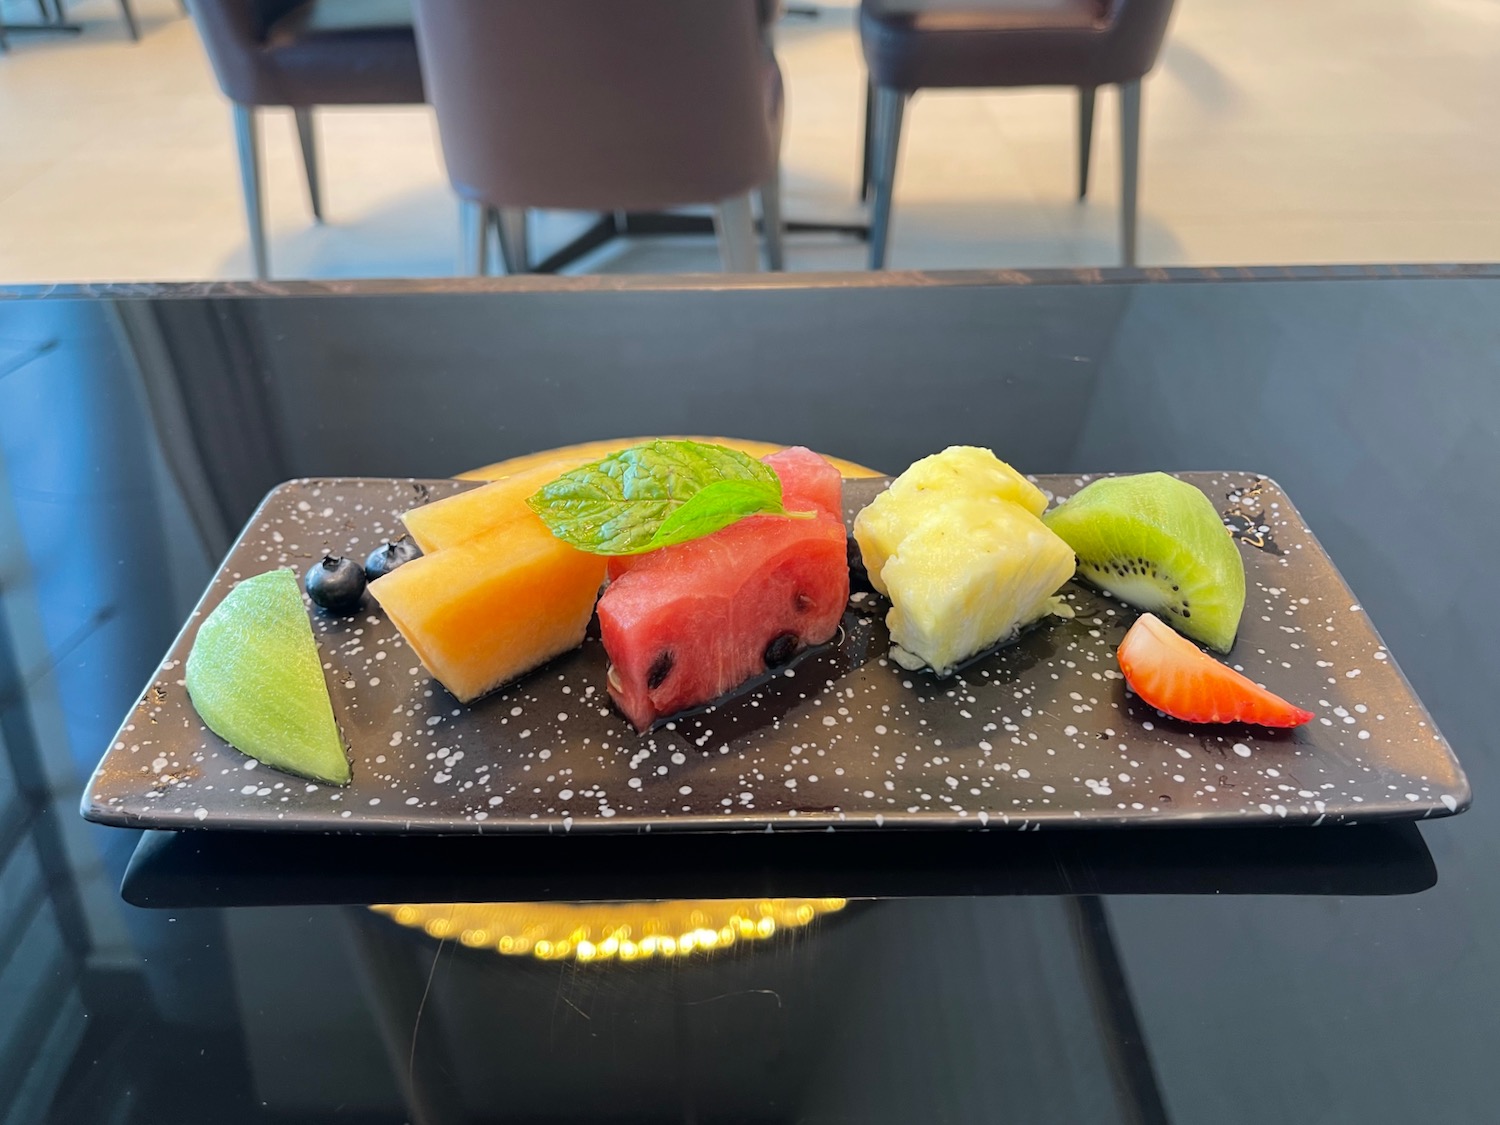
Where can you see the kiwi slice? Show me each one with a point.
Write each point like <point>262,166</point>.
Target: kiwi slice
<point>1157,543</point>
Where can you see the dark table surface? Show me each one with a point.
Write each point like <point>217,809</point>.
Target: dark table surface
<point>1323,975</point>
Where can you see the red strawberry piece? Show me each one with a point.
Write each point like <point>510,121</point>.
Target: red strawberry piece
<point>1174,675</point>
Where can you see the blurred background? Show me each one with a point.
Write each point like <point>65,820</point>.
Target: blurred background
<point>1272,132</point>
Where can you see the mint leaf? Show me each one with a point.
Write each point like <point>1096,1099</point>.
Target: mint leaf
<point>654,495</point>
<point>716,506</point>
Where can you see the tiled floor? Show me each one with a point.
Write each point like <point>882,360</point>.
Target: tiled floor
<point>1278,131</point>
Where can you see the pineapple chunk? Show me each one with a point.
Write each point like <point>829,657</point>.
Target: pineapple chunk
<point>959,470</point>
<point>968,575</point>
<point>956,544</point>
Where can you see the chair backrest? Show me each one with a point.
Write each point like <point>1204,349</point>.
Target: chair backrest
<point>232,32</point>
<point>1136,31</point>
<point>601,104</point>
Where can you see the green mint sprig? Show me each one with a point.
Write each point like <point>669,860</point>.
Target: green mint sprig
<point>655,495</point>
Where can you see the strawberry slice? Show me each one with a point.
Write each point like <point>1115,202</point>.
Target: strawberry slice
<point>1172,674</point>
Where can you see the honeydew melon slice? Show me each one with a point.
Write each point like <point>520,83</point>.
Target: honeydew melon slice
<point>256,679</point>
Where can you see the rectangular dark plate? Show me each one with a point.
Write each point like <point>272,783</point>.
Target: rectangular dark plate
<point>1041,732</point>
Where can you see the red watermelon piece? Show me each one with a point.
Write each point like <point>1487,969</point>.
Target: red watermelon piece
<point>690,622</point>
<point>808,483</point>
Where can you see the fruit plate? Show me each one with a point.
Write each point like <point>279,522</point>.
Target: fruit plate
<point>1039,733</point>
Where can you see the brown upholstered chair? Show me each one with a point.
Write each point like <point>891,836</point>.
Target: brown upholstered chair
<point>300,54</point>
<point>911,45</point>
<point>621,105</point>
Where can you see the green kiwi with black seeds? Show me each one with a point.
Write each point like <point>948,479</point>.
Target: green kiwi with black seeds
<point>1157,543</point>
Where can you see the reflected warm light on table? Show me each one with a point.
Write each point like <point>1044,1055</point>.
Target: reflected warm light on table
<point>624,931</point>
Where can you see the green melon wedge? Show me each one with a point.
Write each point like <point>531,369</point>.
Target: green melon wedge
<point>255,677</point>
<point>1158,543</point>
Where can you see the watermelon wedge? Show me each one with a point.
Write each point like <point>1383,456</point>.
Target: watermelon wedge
<point>685,624</point>
<point>808,484</point>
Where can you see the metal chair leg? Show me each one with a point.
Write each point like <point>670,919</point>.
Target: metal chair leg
<point>247,144</point>
<point>770,221</point>
<point>514,245</point>
<point>130,24</point>
<point>1130,157</point>
<point>866,153</point>
<point>890,106</point>
<point>474,230</point>
<point>734,223</point>
<point>1085,137</point>
<point>308,139</point>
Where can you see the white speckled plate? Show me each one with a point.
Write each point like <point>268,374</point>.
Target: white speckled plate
<point>1039,733</point>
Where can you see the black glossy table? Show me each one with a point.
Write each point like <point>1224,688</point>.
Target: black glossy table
<point>1323,975</point>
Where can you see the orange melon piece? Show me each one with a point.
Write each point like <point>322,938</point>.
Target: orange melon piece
<point>487,610</point>
<point>457,519</point>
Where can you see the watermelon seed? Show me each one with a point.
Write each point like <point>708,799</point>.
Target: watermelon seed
<point>660,670</point>
<point>781,649</point>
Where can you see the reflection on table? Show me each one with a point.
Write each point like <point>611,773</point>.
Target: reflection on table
<point>627,931</point>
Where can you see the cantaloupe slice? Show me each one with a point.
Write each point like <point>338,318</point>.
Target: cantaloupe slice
<point>457,519</point>
<point>487,610</point>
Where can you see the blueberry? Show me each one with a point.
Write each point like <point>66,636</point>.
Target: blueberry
<point>388,556</point>
<point>336,584</point>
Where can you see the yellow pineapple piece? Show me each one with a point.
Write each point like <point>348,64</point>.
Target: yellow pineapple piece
<point>970,575</point>
<point>956,544</point>
<point>959,470</point>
